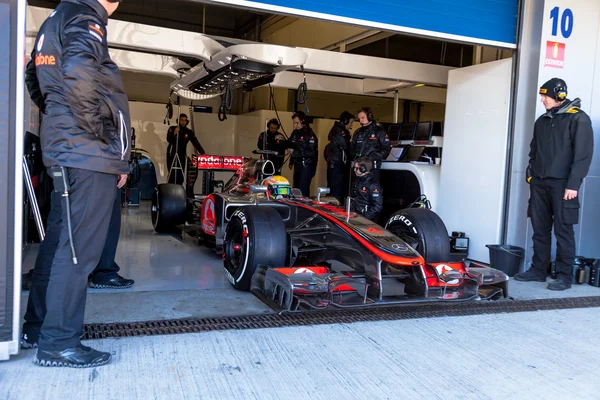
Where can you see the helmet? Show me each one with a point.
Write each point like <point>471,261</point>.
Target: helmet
<point>277,186</point>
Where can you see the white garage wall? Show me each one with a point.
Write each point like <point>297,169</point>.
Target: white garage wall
<point>475,140</point>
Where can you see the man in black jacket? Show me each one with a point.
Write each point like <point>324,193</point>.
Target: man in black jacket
<point>337,156</point>
<point>559,159</point>
<point>85,137</point>
<point>367,195</point>
<point>273,141</point>
<point>371,140</point>
<point>305,153</point>
<point>178,138</point>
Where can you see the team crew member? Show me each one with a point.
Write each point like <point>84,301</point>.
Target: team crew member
<point>85,136</point>
<point>274,142</point>
<point>305,153</point>
<point>180,147</point>
<point>559,158</point>
<point>337,156</point>
<point>367,195</point>
<point>371,140</point>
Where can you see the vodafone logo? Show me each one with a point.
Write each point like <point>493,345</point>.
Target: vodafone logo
<point>233,161</point>
<point>303,271</point>
<point>209,217</point>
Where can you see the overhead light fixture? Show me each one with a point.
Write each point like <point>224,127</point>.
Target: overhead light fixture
<point>238,74</point>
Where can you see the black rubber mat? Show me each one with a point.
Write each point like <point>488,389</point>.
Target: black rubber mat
<point>430,310</point>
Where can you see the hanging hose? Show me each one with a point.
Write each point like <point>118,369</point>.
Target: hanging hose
<point>226,102</point>
<point>276,112</point>
<point>302,96</point>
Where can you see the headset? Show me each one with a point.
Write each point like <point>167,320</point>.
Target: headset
<point>364,164</point>
<point>301,116</point>
<point>273,121</point>
<point>345,118</point>
<point>368,112</point>
<point>561,89</point>
<point>187,120</point>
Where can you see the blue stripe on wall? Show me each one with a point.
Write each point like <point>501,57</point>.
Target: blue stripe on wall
<point>494,20</point>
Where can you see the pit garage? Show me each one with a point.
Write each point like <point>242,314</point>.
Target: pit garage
<point>446,94</point>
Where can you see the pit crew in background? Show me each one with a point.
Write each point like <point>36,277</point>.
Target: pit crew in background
<point>559,158</point>
<point>86,138</point>
<point>367,195</point>
<point>180,147</point>
<point>370,140</point>
<point>304,153</point>
<point>275,141</point>
<point>338,157</point>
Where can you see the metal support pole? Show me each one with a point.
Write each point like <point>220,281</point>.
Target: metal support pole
<point>396,105</point>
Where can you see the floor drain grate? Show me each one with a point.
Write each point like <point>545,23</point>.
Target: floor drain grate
<point>432,310</point>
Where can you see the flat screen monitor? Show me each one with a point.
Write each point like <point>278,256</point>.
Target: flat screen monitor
<point>423,131</point>
<point>437,129</point>
<point>407,131</point>
<point>413,153</point>
<point>394,132</point>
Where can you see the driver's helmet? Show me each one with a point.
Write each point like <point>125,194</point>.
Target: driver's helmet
<point>278,186</point>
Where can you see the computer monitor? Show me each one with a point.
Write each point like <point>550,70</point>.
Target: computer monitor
<point>394,132</point>
<point>407,131</point>
<point>413,153</point>
<point>438,129</point>
<point>423,131</point>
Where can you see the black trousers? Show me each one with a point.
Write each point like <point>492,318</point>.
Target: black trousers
<point>547,209</point>
<point>64,284</point>
<point>302,177</point>
<point>107,268</point>
<point>337,180</point>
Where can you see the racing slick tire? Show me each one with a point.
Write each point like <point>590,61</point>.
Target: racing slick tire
<point>255,235</point>
<point>169,207</point>
<point>424,230</point>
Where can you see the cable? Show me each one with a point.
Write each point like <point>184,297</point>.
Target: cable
<point>276,112</point>
<point>226,102</point>
<point>302,96</point>
<point>66,196</point>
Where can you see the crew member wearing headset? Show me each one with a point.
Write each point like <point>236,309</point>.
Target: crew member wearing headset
<point>180,147</point>
<point>367,195</point>
<point>337,156</point>
<point>560,157</point>
<point>274,141</point>
<point>370,140</point>
<point>304,151</point>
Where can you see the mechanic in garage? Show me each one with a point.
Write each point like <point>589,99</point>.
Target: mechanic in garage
<point>86,144</point>
<point>559,158</point>
<point>367,194</point>
<point>338,157</point>
<point>275,141</point>
<point>180,147</point>
<point>370,140</point>
<point>304,152</point>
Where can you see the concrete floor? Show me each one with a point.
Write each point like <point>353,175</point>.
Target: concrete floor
<point>545,355</point>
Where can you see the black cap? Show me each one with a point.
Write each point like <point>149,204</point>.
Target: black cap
<point>555,88</point>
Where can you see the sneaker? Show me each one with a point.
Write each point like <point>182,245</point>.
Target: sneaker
<point>559,284</point>
<point>117,282</point>
<point>28,342</point>
<point>529,276</point>
<point>76,357</point>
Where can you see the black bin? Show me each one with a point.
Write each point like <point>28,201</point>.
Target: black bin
<point>506,258</point>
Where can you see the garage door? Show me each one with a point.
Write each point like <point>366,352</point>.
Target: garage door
<point>484,22</point>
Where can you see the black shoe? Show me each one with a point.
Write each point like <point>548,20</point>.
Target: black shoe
<point>529,276</point>
<point>76,357</point>
<point>559,284</point>
<point>117,282</point>
<point>28,342</point>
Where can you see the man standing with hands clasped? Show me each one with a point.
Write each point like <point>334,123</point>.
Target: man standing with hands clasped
<point>559,159</point>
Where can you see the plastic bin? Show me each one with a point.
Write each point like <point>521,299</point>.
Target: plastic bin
<point>506,258</point>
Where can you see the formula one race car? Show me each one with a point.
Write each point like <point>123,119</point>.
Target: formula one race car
<point>302,253</point>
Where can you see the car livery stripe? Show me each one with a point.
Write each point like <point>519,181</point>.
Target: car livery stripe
<point>390,258</point>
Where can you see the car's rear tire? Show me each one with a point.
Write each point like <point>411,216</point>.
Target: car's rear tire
<point>169,207</point>
<point>255,235</point>
<point>424,230</point>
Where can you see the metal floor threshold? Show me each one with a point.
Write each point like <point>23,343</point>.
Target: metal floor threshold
<point>430,310</point>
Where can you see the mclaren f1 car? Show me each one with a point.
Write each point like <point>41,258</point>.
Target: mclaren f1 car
<point>300,253</point>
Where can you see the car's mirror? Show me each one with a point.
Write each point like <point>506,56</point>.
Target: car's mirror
<point>321,191</point>
<point>258,188</point>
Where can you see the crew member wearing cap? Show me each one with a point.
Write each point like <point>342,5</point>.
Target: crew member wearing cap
<point>559,159</point>
<point>178,145</point>
<point>273,140</point>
